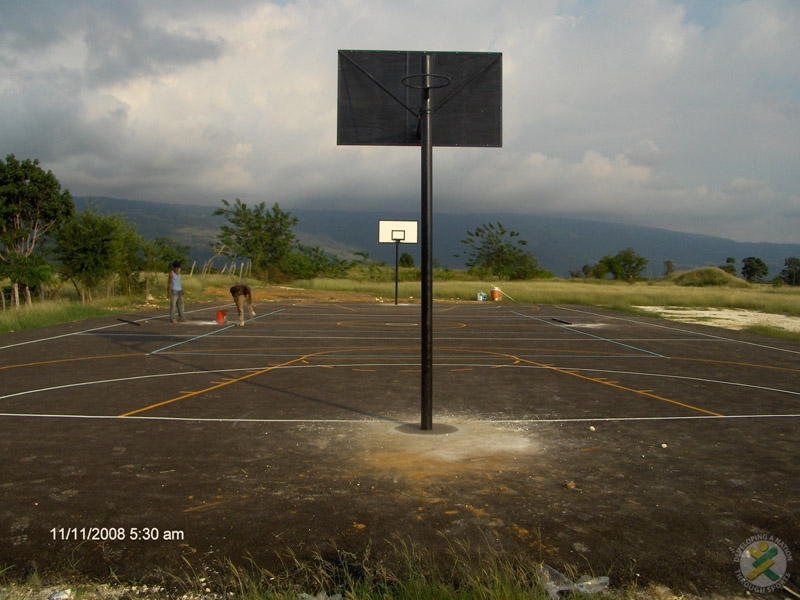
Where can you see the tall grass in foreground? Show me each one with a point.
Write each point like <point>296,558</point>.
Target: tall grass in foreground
<point>404,571</point>
<point>408,572</point>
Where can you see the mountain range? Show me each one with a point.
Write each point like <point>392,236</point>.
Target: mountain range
<point>561,244</point>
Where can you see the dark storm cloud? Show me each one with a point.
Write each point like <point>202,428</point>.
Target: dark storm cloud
<point>672,112</point>
<point>119,50</point>
<point>30,25</point>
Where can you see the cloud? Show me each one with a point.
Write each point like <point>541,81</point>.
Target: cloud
<point>658,112</point>
<point>647,154</point>
<point>123,53</point>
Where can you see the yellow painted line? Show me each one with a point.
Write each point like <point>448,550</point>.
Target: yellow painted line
<point>217,386</point>
<point>184,395</point>
<point>604,381</point>
<point>441,310</point>
<point>343,307</point>
<point>66,360</point>
<point>737,364</point>
<point>616,385</point>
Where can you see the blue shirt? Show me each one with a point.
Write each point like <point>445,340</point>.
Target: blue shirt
<point>176,282</point>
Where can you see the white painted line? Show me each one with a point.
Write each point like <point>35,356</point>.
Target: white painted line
<point>94,329</point>
<point>410,363</point>
<point>357,421</point>
<point>627,419</point>
<point>197,337</point>
<point>700,333</point>
<point>568,327</point>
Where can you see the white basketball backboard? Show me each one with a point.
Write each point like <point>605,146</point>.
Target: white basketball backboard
<point>391,232</point>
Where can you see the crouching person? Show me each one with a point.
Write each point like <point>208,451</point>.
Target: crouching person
<point>241,293</point>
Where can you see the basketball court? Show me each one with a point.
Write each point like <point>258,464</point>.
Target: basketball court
<point>626,446</point>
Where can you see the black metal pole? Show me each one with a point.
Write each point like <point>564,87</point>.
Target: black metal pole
<point>426,140</point>
<point>396,268</point>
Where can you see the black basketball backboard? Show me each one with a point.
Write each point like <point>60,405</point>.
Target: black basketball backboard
<point>380,94</point>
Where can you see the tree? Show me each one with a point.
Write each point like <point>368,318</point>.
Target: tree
<point>754,269</point>
<point>31,205</point>
<point>607,266</point>
<point>406,260</point>
<point>28,272</point>
<point>265,237</point>
<point>317,262</point>
<point>88,247</point>
<point>161,251</point>
<point>630,265</point>
<point>791,274</point>
<point>495,249</point>
<point>625,265</point>
<point>130,259</point>
<point>729,266</point>
<point>669,268</point>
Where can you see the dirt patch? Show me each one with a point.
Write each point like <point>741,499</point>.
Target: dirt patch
<point>726,318</point>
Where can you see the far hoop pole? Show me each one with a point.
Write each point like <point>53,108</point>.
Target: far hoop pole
<point>396,268</point>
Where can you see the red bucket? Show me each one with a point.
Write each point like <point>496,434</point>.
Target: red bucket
<point>496,294</point>
<point>221,316</point>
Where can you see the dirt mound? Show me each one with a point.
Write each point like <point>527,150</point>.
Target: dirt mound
<point>709,276</point>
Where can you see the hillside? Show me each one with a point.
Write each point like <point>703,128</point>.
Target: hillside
<point>561,244</point>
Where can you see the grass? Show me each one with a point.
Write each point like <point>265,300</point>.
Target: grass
<point>68,308</point>
<point>773,332</point>
<point>408,572</point>
<point>702,288</point>
<point>609,294</point>
<point>41,314</point>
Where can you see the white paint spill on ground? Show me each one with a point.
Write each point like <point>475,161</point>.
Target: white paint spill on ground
<point>726,318</point>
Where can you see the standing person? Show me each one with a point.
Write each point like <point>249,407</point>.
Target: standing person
<point>175,291</point>
<point>241,292</point>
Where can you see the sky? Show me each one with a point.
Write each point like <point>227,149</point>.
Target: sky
<point>678,114</point>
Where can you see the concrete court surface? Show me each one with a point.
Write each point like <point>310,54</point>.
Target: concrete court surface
<point>612,444</point>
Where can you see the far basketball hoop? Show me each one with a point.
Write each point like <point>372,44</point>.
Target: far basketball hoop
<point>391,232</point>
<point>397,232</point>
